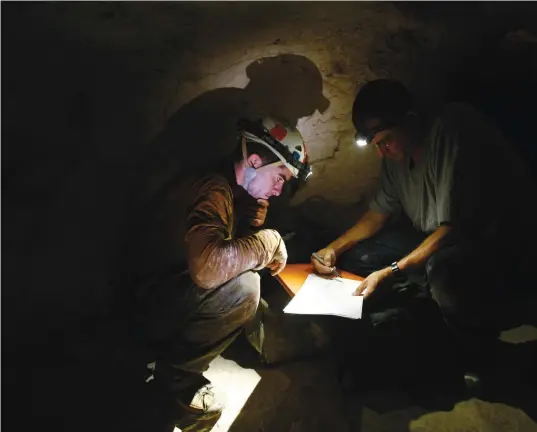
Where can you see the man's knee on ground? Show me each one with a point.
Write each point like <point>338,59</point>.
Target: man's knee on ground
<point>435,268</point>
<point>442,271</point>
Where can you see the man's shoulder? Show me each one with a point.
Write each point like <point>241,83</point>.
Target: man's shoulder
<point>466,118</point>
<point>458,108</point>
<point>457,121</point>
<point>456,114</point>
<point>216,180</point>
<point>196,183</point>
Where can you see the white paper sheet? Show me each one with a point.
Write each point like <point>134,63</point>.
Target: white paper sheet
<point>321,296</point>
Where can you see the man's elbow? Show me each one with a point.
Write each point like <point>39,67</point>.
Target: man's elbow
<point>203,275</point>
<point>211,267</point>
<point>375,220</point>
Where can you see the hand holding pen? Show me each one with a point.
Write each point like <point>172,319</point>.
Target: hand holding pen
<point>324,262</point>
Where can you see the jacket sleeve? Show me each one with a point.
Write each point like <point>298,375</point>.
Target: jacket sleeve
<point>214,257</point>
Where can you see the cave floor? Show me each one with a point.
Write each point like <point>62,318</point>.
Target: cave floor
<point>100,387</point>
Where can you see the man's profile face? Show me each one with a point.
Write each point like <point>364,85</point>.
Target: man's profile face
<point>269,182</point>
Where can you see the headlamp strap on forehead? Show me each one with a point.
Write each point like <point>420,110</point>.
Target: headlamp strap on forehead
<point>369,134</point>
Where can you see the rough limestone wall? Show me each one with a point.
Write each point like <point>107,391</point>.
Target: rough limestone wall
<point>184,50</point>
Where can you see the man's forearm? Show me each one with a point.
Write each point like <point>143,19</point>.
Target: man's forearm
<point>368,225</point>
<point>213,261</point>
<point>419,256</point>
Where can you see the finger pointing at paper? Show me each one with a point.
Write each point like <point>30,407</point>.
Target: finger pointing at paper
<point>370,283</point>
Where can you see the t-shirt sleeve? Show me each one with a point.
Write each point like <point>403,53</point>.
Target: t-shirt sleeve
<point>385,200</point>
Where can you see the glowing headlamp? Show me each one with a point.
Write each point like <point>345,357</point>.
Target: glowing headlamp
<point>363,139</point>
<point>360,140</point>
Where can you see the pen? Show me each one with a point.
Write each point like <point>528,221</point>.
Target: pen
<point>318,258</point>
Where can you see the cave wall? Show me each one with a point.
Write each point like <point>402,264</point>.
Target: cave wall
<point>88,89</point>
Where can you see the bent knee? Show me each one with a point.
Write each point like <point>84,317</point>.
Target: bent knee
<point>442,265</point>
<point>447,278</point>
<point>248,286</point>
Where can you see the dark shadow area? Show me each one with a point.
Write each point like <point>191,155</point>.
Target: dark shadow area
<point>502,82</point>
<point>201,132</point>
<point>66,166</point>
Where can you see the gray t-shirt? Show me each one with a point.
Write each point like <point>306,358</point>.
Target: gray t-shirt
<point>466,173</point>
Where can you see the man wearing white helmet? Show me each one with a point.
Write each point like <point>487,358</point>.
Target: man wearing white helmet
<point>199,271</point>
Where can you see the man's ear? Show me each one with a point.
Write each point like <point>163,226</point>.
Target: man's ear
<point>254,161</point>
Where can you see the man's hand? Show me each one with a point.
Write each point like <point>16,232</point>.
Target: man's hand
<point>257,212</point>
<point>370,283</point>
<point>329,257</point>
<point>274,253</point>
<point>279,260</point>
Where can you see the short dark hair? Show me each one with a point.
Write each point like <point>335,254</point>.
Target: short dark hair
<point>266,155</point>
<point>385,99</point>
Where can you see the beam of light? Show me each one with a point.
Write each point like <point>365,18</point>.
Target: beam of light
<point>233,385</point>
<point>361,142</point>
